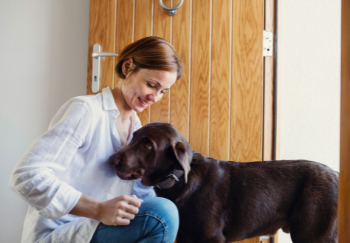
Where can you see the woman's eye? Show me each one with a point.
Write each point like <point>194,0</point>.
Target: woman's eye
<point>150,85</point>
<point>163,92</point>
<point>148,146</point>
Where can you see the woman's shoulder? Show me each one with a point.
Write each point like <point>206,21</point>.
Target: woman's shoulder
<point>103,101</point>
<point>89,102</point>
<point>78,106</point>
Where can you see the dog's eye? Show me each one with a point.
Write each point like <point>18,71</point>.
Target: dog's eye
<point>148,146</point>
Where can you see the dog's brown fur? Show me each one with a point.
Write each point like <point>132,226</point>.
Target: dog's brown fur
<point>224,201</point>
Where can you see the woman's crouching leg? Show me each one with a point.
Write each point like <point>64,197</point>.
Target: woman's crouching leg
<point>157,221</point>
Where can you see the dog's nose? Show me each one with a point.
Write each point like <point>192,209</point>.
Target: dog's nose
<point>114,159</point>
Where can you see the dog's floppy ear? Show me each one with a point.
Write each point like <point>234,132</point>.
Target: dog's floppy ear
<point>182,157</point>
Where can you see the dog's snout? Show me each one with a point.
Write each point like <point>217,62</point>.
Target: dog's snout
<point>115,159</point>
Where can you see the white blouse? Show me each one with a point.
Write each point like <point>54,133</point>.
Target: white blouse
<point>69,160</point>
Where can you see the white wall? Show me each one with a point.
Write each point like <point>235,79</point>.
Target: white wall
<point>308,76</point>
<point>43,63</point>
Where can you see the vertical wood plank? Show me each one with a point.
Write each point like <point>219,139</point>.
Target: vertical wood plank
<point>220,80</point>
<point>161,28</point>
<point>247,82</point>
<point>143,28</point>
<point>102,31</point>
<point>181,40</point>
<point>252,240</point>
<point>143,18</point>
<point>124,28</point>
<point>199,108</point>
<point>344,177</point>
<point>246,110</point>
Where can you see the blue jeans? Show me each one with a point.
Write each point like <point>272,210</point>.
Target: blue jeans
<point>156,222</point>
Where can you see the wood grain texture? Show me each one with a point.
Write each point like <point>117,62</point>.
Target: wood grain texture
<point>252,240</point>
<point>161,28</point>
<point>143,28</point>
<point>181,40</point>
<point>102,31</point>
<point>344,177</point>
<point>247,82</point>
<point>246,109</point>
<point>199,107</point>
<point>124,28</point>
<point>220,80</point>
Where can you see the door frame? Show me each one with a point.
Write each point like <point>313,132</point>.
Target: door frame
<point>344,176</point>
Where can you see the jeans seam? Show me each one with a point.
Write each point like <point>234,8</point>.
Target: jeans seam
<point>159,219</point>
<point>100,226</point>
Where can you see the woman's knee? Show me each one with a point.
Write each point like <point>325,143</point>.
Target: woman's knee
<point>163,208</point>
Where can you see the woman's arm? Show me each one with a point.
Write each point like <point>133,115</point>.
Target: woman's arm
<point>117,211</point>
<point>34,177</point>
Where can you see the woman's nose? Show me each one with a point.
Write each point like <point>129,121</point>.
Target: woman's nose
<point>155,97</point>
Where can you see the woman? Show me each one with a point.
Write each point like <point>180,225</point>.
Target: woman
<point>74,195</point>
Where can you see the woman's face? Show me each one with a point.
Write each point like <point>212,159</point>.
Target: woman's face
<point>145,87</point>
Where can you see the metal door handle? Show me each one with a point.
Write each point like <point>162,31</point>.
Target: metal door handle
<point>96,64</point>
<point>103,54</point>
<point>172,11</point>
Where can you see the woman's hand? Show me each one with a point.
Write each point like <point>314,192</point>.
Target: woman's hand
<point>116,211</point>
<point>119,210</point>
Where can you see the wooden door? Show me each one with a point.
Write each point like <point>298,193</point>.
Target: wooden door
<point>217,105</point>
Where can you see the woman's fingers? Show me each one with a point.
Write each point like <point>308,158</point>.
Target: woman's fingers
<point>121,221</point>
<point>129,204</point>
<point>124,218</point>
<point>131,209</point>
<point>132,200</point>
<point>120,210</point>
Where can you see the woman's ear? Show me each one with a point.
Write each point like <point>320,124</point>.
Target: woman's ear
<point>128,65</point>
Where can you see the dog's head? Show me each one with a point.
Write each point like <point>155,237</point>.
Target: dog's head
<point>156,150</point>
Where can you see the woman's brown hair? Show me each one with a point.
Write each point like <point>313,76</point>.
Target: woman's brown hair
<point>150,53</point>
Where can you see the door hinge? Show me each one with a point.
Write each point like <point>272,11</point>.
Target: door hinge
<point>267,44</point>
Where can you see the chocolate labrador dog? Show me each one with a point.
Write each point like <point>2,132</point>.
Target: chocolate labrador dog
<point>224,201</point>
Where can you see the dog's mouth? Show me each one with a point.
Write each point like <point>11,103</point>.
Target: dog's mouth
<point>123,170</point>
<point>126,176</point>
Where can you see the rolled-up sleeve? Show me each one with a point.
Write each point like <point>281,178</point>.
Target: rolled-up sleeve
<point>34,177</point>
<point>142,191</point>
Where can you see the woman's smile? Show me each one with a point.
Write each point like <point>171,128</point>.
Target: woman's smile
<point>144,103</point>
